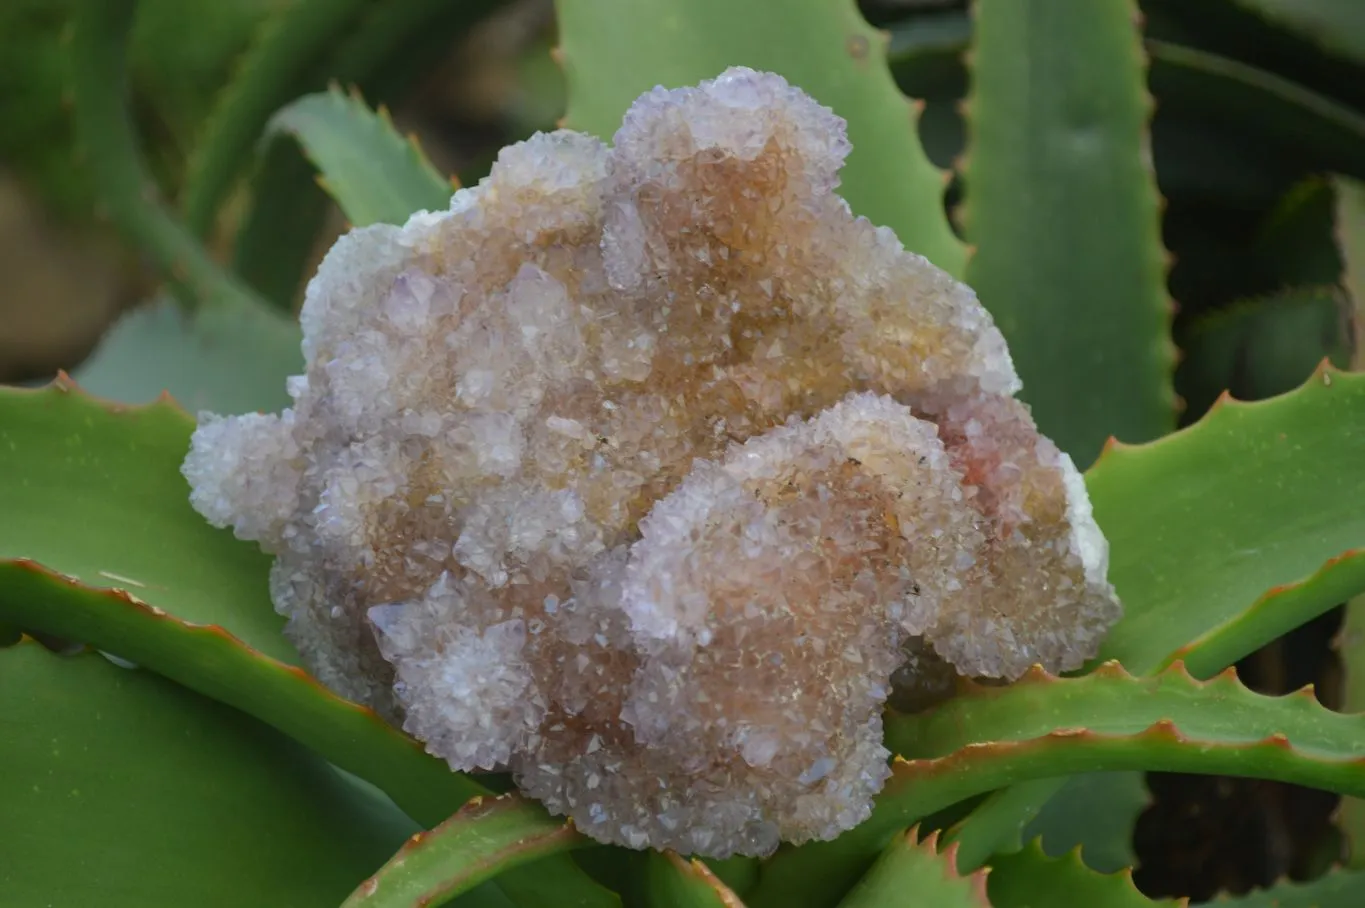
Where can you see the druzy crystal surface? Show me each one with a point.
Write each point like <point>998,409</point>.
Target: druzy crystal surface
<point>642,469</point>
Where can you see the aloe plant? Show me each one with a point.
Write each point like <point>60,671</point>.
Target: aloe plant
<point>165,745</point>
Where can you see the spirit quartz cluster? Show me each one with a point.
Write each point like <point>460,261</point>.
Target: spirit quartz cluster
<point>642,469</point>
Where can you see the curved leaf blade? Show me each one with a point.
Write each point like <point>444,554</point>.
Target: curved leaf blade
<point>373,173</point>
<point>209,807</point>
<point>615,50</point>
<point>1251,498</point>
<point>1337,26</point>
<point>1045,727</point>
<point>1029,878</point>
<point>910,873</point>
<point>1336,889</point>
<point>1056,124</point>
<point>675,882</point>
<point>94,492</point>
<point>485,837</point>
<point>1097,813</point>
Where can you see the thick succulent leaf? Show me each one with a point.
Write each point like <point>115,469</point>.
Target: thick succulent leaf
<point>1029,879</point>
<point>1111,702</point>
<point>1337,26</point>
<point>1106,721</point>
<point>94,491</point>
<point>1349,225</point>
<point>1230,532</point>
<point>911,873</point>
<point>375,174</point>
<point>1335,889</point>
<point>615,50</point>
<point>1056,124</point>
<point>674,882</point>
<point>292,41</point>
<point>120,789</point>
<point>227,360</point>
<point>1263,347</point>
<point>482,839</point>
<point>1095,812</point>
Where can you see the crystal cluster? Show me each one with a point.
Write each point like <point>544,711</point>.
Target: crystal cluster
<point>640,471</point>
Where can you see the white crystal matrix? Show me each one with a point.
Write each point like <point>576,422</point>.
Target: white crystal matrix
<point>640,470</point>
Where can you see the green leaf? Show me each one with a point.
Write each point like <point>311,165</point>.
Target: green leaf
<point>375,174</point>
<point>221,359</point>
<point>105,130</point>
<point>119,789</point>
<point>1057,125</point>
<point>1336,889</point>
<point>484,838</point>
<point>290,43</point>
<point>1263,347</point>
<point>674,882</point>
<point>1109,702</point>
<point>911,873</point>
<point>94,492</point>
<point>1029,878</point>
<point>1337,26</point>
<point>615,50</point>
<point>1103,722</point>
<point>1095,812</point>
<point>1237,529</point>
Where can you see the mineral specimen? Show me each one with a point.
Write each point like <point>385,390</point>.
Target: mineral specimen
<point>642,469</point>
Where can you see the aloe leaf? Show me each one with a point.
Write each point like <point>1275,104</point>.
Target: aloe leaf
<point>374,174</point>
<point>1029,878</point>
<point>1102,722</point>
<point>910,873</point>
<point>94,491</point>
<point>1057,123</point>
<point>227,360</point>
<point>290,43</point>
<point>615,50</point>
<point>1262,347</point>
<point>1255,497</point>
<point>1096,813</point>
<point>674,882</point>
<point>120,789</point>
<point>481,840</point>
<point>1111,702</point>
<point>391,46</point>
<point>103,127</point>
<point>1335,889</point>
<point>1337,26</point>
<point>1349,227</point>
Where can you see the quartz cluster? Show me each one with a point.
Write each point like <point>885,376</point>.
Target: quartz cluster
<point>640,471</point>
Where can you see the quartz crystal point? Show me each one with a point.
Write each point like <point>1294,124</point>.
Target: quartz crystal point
<point>641,470</point>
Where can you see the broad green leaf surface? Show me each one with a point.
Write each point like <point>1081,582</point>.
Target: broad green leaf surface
<point>1349,231</point>
<point>484,838</point>
<point>1337,889</point>
<point>910,873</point>
<point>291,42</point>
<point>674,882</point>
<point>1095,812</point>
<point>1029,879</point>
<point>1263,347</point>
<point>122,790</point>
<point>375,174</point>
<point>211,662</point>
<point>222,359</point>
<point>1111,702</point>
<point>95,492</point>
<point>1337,26</point>
<point>816,875</point>
<point>615,50</point>
<point>1057,124</point>
<point>1204,523</point>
